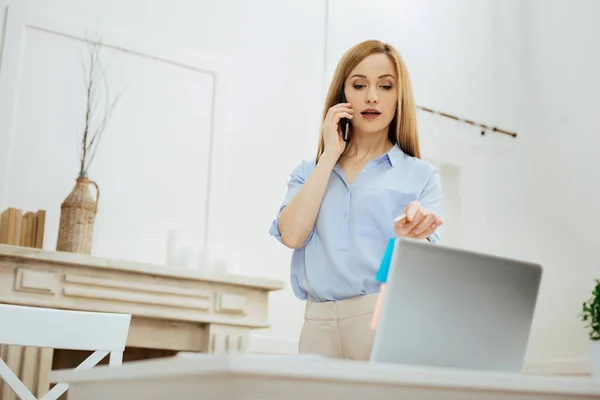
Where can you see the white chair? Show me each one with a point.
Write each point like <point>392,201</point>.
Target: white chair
<point>60,329</point>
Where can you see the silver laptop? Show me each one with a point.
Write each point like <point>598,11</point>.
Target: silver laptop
<point>446,307</point>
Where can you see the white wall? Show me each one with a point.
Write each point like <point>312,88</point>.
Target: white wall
<point>524,66</point>
<point>152,167</point>
<point>563,64</point>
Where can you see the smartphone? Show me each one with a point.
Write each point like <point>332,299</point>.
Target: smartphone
<point>344,122</point>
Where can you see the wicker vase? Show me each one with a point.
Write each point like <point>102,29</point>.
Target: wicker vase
<point>77,216</point>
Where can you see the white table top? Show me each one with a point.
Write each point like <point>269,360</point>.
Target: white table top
<point>340,371</point>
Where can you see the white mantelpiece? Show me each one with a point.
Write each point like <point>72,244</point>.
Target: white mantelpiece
<point>172,310</point>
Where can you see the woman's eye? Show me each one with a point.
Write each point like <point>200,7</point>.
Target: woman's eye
<point>386,87</point>
<point>358,86</point>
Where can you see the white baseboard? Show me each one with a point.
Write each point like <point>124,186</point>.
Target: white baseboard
<point>271,344</point>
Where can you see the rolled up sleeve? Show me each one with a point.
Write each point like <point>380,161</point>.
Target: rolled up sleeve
<point>431,199</point>
<point>295,183</point>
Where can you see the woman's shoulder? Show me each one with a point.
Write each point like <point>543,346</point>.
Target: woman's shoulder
<point>421,163</point>
<point>304,168</point>
<point>420,166</point>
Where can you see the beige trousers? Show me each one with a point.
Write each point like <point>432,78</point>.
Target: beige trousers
<point>339,329</point>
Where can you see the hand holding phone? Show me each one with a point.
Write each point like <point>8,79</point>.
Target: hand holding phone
<point>344,122</point>
<point>336,130</point>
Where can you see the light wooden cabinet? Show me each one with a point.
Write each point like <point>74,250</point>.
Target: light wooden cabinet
<point>172,310</point>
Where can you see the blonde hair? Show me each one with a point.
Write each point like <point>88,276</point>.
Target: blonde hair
<point>403,132</point>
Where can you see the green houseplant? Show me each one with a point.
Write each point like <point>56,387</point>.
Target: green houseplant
<point>590,314</point>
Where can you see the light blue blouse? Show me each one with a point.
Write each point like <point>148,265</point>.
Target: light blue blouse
<point>343,253</point>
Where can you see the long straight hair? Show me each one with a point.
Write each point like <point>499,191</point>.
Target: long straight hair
<point>403,128</point>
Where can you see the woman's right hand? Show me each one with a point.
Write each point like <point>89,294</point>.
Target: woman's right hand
<point>417,222</point>
<point>333,138</point>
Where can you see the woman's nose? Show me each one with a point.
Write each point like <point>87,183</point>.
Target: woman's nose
<point>372,96</point>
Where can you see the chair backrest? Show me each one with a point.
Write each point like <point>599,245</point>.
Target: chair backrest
<point>62,329</point>
<point>103,333</point>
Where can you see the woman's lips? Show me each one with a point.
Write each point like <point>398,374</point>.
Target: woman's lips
<point>370,115</point>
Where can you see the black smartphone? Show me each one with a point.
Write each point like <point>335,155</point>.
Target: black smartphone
<point>344,122</point>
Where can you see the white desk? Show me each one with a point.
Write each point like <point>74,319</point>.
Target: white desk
<point>275,377</point>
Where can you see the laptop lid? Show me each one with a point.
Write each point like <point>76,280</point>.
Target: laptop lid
<point>448,307</point>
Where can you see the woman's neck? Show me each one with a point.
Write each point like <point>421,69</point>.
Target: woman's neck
<point>368,146</point>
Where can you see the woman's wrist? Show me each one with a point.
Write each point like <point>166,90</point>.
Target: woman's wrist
<point>329,159</point>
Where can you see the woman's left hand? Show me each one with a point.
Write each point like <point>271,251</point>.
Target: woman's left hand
<point>417,222</point>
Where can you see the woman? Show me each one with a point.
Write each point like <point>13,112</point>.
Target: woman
<point>342,208</point>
